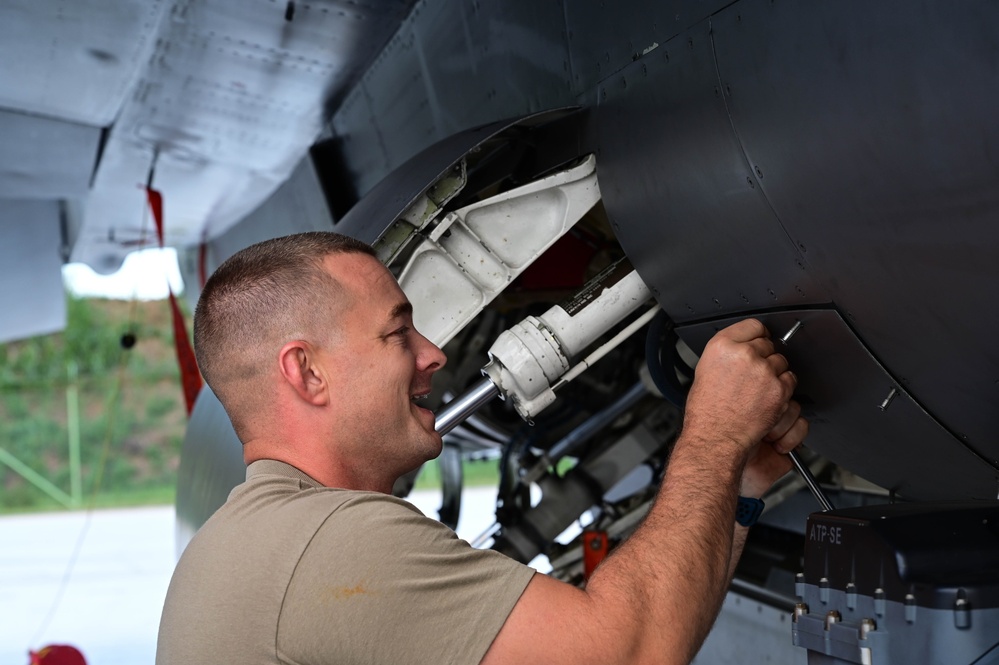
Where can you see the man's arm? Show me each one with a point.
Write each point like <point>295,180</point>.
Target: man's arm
<point>768,463</point>
<point>655,598</point>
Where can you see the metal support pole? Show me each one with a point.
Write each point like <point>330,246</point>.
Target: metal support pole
<point>73,427</point>
<point>35,478</point>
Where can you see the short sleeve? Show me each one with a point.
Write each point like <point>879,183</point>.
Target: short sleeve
<point>382,583</point>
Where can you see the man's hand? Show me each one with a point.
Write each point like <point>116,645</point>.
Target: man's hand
<point>742,389</point>
<point>769,461</point>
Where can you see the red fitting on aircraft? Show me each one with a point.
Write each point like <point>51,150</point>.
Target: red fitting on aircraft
<point>190,376</point>
<point>595,548</point>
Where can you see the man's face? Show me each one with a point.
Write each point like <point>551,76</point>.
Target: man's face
<point>383,367</point>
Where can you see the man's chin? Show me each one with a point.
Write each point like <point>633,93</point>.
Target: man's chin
<point>429,446</point>
<point>434,445</point>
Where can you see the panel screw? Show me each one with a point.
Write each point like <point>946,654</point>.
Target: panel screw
<point>866,626</point>
<point>887,400</point>
<point>790,333</point>
<point>880,602</point>
<point>962,613</point>
<point>832,618</point>
<point>800,609</point>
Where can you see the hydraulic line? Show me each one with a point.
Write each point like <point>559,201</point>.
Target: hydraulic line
<point>586,431</point>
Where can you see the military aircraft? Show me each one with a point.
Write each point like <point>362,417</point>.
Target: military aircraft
<point>829,168</point>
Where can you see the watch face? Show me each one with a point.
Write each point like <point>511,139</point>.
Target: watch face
<point>748,510</point>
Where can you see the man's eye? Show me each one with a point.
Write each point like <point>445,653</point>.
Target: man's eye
<point>401,332</point>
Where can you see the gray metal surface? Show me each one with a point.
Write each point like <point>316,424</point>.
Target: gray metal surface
<point>604,37</point>
<point>903,635</point>
<point>878,161</point>
<point>296,207</point>
<point>455,65</point>
<point>44,158</point>
<point>233,96</point>
<point>452,66</point>
<point>792,154</point>
<point>382,205</point>
<point>75,60</point>
<point>220,99</point>
<point>748,631</point>
<point>841,386</point>
<point>32,300</point>
<point>682,197</point>
<point>211,464</point>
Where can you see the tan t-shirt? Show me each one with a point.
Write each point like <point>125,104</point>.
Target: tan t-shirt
<point>288,571</point>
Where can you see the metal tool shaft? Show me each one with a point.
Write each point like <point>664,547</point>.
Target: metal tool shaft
<point>798,464</point>
<point>810,481</point>
<point>461,407</point>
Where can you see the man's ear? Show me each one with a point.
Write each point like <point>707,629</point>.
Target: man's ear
<point>299,368</point>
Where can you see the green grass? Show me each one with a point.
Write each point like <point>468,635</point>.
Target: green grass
<point>129,402</point>
<point>476,474</point>
<point>483,473</point>
<point>145,496</point>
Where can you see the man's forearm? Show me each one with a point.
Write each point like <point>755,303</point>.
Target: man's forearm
<point>739,535</point>
<point>674,570</point>
<point>656,597</point>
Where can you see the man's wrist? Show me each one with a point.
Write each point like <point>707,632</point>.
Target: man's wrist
<point>748,510</point>
<point>716,443</point>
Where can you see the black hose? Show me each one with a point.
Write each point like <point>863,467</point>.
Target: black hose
<point>660,338</point>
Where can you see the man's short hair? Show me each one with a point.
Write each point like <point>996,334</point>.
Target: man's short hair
<point>260,298</point>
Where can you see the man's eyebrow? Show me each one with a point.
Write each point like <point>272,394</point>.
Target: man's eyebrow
<point>401,310</point>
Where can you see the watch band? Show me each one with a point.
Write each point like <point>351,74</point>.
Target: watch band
<point>747,511</point>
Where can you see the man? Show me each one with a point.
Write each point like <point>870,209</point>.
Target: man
<point>309,344</point>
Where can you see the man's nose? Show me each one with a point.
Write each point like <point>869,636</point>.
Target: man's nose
<point>430,357</point>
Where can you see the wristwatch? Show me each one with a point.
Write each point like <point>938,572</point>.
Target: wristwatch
<point>747,511</point>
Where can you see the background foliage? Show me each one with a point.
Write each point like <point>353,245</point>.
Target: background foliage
<point>130,404</point>
<point>131,409</point>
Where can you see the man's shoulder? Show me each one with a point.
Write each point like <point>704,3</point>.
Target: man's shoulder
<point>287,494</point>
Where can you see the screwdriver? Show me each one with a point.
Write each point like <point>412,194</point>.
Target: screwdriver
<point>803,470</point>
